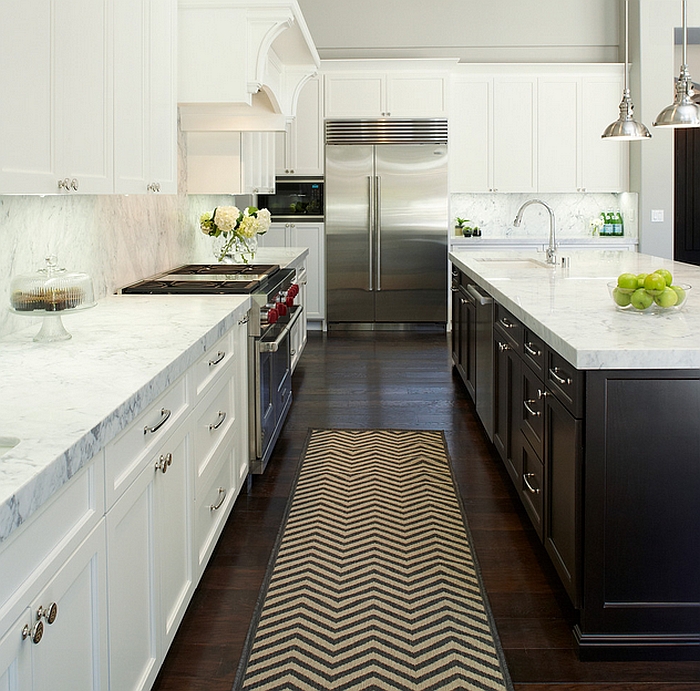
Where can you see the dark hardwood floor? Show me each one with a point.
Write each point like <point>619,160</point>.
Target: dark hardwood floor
<point>400,380</point>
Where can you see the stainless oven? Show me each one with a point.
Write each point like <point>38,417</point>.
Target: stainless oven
<point>272,317</point>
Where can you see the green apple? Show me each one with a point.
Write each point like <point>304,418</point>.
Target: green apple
<point>668,298</point>
<point>640,299</point>
<point>640,280</point>
<point>627,282</point>
<point>655,284</point>
<point>681,294</point>
<point>668,277</point>
<point>621,296</point>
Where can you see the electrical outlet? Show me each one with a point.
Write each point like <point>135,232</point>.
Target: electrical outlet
<point>657,215</point>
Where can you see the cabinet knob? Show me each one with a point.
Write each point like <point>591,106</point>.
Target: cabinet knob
<point>49,613</point>
<point>74,184</point>
<point>503,347</point>
<point>36,633</point>
<point>153,187</point>
<point>163,462</point>
<point>64,184</point>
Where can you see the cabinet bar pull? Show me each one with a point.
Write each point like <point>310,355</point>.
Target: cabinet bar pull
<point>507,324</point>
<point>164,416</point>
<point>535,413</point>
<point>219,421</point>
<point>554,371</point>
<point>219,357</point>
<point>535,352</point>
<point>526,480</point>
<point>222,496</point>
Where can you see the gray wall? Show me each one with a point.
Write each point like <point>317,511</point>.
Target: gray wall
<point>472,30</point>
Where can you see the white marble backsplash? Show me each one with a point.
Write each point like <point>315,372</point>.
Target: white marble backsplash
<point>116,239</point>
<point>494,213</point>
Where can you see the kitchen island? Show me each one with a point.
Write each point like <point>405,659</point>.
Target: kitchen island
<point>595,416</point>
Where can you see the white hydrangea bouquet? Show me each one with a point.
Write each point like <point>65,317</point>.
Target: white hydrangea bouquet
<point>237,230</point>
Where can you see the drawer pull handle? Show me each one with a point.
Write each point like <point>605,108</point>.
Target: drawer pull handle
<point>530,488</point>
<point>163,462</point>
<point>50,613</point>
<point>219,357</point>
<point>554,371</point>
<point>222,496</point>
<point>243,320</point>
<point>534,413</point>
<point>507,324</point>
<point>219,421</point>
<point>503,347</point>
<point>36,633</point>
<point>164,416</point>
<point>531,350</point>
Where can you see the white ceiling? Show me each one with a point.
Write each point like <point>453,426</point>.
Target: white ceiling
<point>471,30</point>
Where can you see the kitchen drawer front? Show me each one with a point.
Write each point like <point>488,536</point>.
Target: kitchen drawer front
<point>532,409</point>
<point>565,382</point>
<point>126,455</point>
<point>509,327</point>
<point>214,364</point>
<point>213,424</point>
<point>532,486</point>
<point>53,532</point>
<point>534,353</point>
<point>213,503</point>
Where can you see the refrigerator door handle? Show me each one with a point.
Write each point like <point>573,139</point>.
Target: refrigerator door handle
<point>378,227</point>
<point>370,231</point>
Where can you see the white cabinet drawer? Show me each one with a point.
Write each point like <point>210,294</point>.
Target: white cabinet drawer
<point>213,504</point>
<point>53,532</point>
<point>212,425</point>
<point>125,456</point>
<point>204,374</point>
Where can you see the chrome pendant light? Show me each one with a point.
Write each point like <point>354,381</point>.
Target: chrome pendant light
<point>683,112</point>
<point>626,128</point>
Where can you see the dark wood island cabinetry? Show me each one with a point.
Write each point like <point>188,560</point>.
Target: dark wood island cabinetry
<point>607,465</point>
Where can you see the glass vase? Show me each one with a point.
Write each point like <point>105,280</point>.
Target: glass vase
<point>234,249</point>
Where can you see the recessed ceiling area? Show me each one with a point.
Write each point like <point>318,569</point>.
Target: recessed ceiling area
<point>471,30</point>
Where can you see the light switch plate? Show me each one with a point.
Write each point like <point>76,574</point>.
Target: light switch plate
<point>657,215</point>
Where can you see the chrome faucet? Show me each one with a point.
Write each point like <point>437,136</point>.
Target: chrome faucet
<point>551,252</point>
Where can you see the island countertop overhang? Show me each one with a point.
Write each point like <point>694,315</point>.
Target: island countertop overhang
<point>571,310</point>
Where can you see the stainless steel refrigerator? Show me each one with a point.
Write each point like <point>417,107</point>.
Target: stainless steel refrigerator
<point>386,223</point>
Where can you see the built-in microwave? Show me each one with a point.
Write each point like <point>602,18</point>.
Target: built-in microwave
<point>295,199</point>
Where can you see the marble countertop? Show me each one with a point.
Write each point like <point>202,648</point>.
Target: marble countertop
<point>571,309</point>
<point>64,401</point>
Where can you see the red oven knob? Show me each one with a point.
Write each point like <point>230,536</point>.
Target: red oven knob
<point>293,290</point>
<point>272,315</point>
<point>282,308</point>
<point>289,300</point>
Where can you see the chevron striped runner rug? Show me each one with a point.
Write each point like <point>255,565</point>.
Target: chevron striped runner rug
<point>374,585</point>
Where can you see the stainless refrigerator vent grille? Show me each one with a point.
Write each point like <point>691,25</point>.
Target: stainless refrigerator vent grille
<point>395,131</point>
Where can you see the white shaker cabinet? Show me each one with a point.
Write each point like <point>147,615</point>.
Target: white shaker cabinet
<point>145,110</point>
<point>573,112</point>
<point>400,94</point>
<point>492,134</point>
<point>60,641</point>
<point>56,85</point>
<point>299,150</point>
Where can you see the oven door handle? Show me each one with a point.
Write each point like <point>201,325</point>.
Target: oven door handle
<point>273,347</point>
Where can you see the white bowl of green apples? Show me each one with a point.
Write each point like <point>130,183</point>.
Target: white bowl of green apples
<point>650,293</point>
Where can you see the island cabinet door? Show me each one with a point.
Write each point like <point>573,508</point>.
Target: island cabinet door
<point>642,512</point>
<point>563,447</point>
<point>506,397</point>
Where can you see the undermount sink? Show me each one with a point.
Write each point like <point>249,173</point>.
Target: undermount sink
<point>7,443</point>
<point>517,262</point>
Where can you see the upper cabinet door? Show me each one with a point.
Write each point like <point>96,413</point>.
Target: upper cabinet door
<point>416,95</point>
<point>144,97</point>
<point>514,134</point>
<point>56,108</point>
<point>354,95</point>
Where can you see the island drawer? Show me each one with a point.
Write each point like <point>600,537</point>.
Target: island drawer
<point>204,374</point>
<point>532,486</point>
<point>565,382</point>
<point>509,327</point>
<point>531,413</point>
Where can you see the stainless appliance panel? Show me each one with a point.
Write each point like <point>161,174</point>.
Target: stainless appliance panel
<point>411,224</point>
<point>349,192</point>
